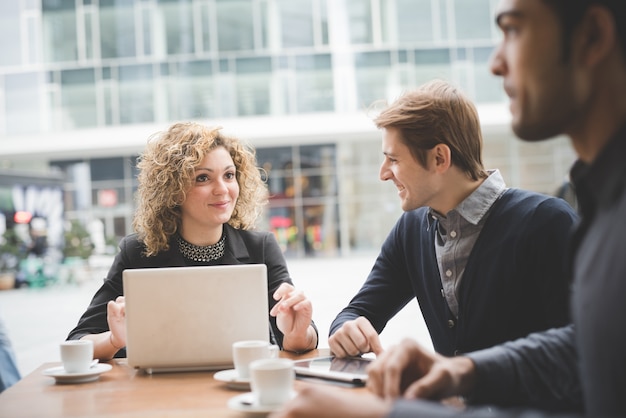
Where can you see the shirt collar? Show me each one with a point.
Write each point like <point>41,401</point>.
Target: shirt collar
<point>478,203</point>
<point>602,181</point>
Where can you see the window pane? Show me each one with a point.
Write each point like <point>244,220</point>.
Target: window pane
<point>282,222</point>
<point>194,91</point>
<point>205,28</point>
<point>136,94</point>
<point>178,27</point>
<point>253,86</point>
<point>296,22</point>
<point>108,105</point>
<point>473,19</point>
<point>10,41</point>
<point>78,99</point>
<point>317,156</point>
<point>314,92</point>
<point>253,95</point>
<point>488,87</point>
<point>432,63</point>
<point>323,21</point>
<point>107,169</point>
<point>432,56</point>
<point>235,30</point>
<point>303,210</point>
<point>59,31</point>
<point>117,30</point>
<point>89,39</point>
<point>253,65</point>
<point>321,228</point>
<point>146,22</point>
<point>413,21</point>
<point>360,16</point>
<point>314,83</point>
<point>317,164</point>
<point>107,196</point>
<point>22,92</point>
<point>278,164</point>
<point>372,76</point>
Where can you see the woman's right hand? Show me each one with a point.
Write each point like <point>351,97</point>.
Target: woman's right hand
<point>116,318</point>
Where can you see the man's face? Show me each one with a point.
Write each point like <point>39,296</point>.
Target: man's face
<point>537,79</point>
<point>417,186</point>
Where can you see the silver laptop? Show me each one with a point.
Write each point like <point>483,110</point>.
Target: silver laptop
<point>187,318</point>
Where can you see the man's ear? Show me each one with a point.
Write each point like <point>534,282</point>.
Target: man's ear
<point>596,36</point>
<point>442,157</point>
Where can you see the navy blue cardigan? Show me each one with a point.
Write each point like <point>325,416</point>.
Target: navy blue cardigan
<point>515,281</point>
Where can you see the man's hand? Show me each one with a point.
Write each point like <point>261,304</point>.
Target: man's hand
<point>354,338</point>
<point>410,371</point>
<point>317,401</point>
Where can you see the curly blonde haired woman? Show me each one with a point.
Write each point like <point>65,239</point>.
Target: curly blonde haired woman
<point>200,193</point>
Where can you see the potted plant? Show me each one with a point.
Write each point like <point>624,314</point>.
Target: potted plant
<point>11,252</point>
<point>77,242</point>
<point>77,250</point>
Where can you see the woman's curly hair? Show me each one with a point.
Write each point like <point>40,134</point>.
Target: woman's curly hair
<point>167,172</point>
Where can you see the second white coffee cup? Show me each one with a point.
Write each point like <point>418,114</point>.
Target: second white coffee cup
<point>76,355</point>
<point>271,380</point>
<point>245,352</point>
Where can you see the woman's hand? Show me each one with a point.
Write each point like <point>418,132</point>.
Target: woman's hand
<point>116,318</point>
<point>293,313</point>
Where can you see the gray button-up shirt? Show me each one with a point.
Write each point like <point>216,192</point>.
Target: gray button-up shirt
<point>458,231</point>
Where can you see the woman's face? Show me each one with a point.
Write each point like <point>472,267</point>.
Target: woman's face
<point>211,200</point>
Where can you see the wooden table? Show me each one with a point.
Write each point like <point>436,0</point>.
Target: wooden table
<point>125,392</point>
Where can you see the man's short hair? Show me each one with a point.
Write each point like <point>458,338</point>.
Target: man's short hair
<point>571,12</point>
<point>438,113</point>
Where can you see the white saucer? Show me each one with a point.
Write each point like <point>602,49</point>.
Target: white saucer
<point>232,379</point>
<point>247,403</point>
<point>61,376</point>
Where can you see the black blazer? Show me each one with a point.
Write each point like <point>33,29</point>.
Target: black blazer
<point>242,247</point>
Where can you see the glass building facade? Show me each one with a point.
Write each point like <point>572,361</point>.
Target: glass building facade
<point>91,72</point>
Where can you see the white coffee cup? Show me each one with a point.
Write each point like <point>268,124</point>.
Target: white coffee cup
<point>76,355</point>
<point>245,352</point>
<point>271,380</point>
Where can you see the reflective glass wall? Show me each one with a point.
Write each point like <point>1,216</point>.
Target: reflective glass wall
<point>72,64</point>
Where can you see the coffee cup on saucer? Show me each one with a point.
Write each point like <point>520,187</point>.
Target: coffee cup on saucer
<point>76,355</point>
<point>271,381</point>
<point>245,352</point>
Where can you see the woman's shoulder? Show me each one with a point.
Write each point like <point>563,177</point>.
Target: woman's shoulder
<point>131,244</point>
<point>131,240</point>
<point>133,251</point>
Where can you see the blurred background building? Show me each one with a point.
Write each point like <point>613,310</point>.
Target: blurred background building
<point>84,83</point>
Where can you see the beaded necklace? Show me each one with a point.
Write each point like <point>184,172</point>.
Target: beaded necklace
<point>202,253</point>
